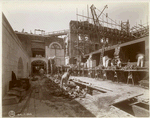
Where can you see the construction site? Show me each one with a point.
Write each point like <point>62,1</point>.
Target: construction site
<point>97,68</point>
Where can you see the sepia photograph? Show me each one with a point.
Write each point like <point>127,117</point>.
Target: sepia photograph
<point>74,58</point>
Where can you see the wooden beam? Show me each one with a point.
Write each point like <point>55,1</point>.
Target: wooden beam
<point>121,45</point>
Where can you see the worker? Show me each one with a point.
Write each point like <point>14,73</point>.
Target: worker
<point>112,62</point>
<point>107,62</point>
<point>104,75</point>
<point>105,58</point>
<point>65,78</point>
<point>41,71</point>
<point>89,61</point>
<point>52,64</point>
<point>119,63</point>
<point>115,76</point>
<point>140,59</point>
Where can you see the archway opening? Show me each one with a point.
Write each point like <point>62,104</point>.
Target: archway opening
<point>37,65</point>
<point>55,45</point>
<point>20,68</point>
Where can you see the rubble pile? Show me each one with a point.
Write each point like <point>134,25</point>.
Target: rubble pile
<point>69,91</point>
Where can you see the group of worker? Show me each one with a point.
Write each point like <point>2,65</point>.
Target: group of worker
<point>111,62</point>
<point>106,62</point>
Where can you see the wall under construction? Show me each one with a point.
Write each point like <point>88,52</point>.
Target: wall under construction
<point>101,34</point>
<point>85,37</point>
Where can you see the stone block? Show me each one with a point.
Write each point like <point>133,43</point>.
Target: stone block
<point>14,93</point>
<point>9,100</point>
<point>21,90</point>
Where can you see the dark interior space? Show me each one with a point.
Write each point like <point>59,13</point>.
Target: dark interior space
<point>97,58</point>
<point>133,107</point>
<point>84,59</point>
<point>146,106</point>
<point>96,46</point>
<point>110,53</point>
<point>37,65</point>
<point>35,69</point>
<point>72,60</point>
<point>125,106</point>
<point>38,51</point>
<point>129,52</point>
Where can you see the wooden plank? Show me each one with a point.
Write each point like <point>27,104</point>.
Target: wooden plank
<point>136,70</point>
<point>134,41</point>
<point>121,45</point>
<point>93,87</point>
<point>114,70</point>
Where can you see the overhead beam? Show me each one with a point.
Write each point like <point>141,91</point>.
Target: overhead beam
<point>121,45</point>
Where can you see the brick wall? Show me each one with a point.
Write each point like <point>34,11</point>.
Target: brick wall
<point>26,42</point>
<point>12,52</point>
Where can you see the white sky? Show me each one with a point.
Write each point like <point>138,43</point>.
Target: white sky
<point>56,15</point>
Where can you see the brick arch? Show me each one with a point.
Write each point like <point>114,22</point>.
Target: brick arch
<point>20,68</point>
<point>38,62</point>
<point>50,46</point>
<point>38,59</point>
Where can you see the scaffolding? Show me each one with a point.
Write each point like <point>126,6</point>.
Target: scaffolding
<point>91,32</point>
<point>140,30</point>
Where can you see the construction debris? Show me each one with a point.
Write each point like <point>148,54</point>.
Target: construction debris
<point>70,91</point>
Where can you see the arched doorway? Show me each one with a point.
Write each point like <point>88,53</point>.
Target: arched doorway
<point>20,68</point>
<point>37,65</point>
<point>57,51</point>
<point>56,47</point>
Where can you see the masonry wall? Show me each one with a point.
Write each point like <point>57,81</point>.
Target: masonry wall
<point>14,57</point>
<point>59,53</point>
<point>25,40</point>
<point>86,46</point>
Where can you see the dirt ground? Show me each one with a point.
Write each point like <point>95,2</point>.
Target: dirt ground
<point>43,103</point>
